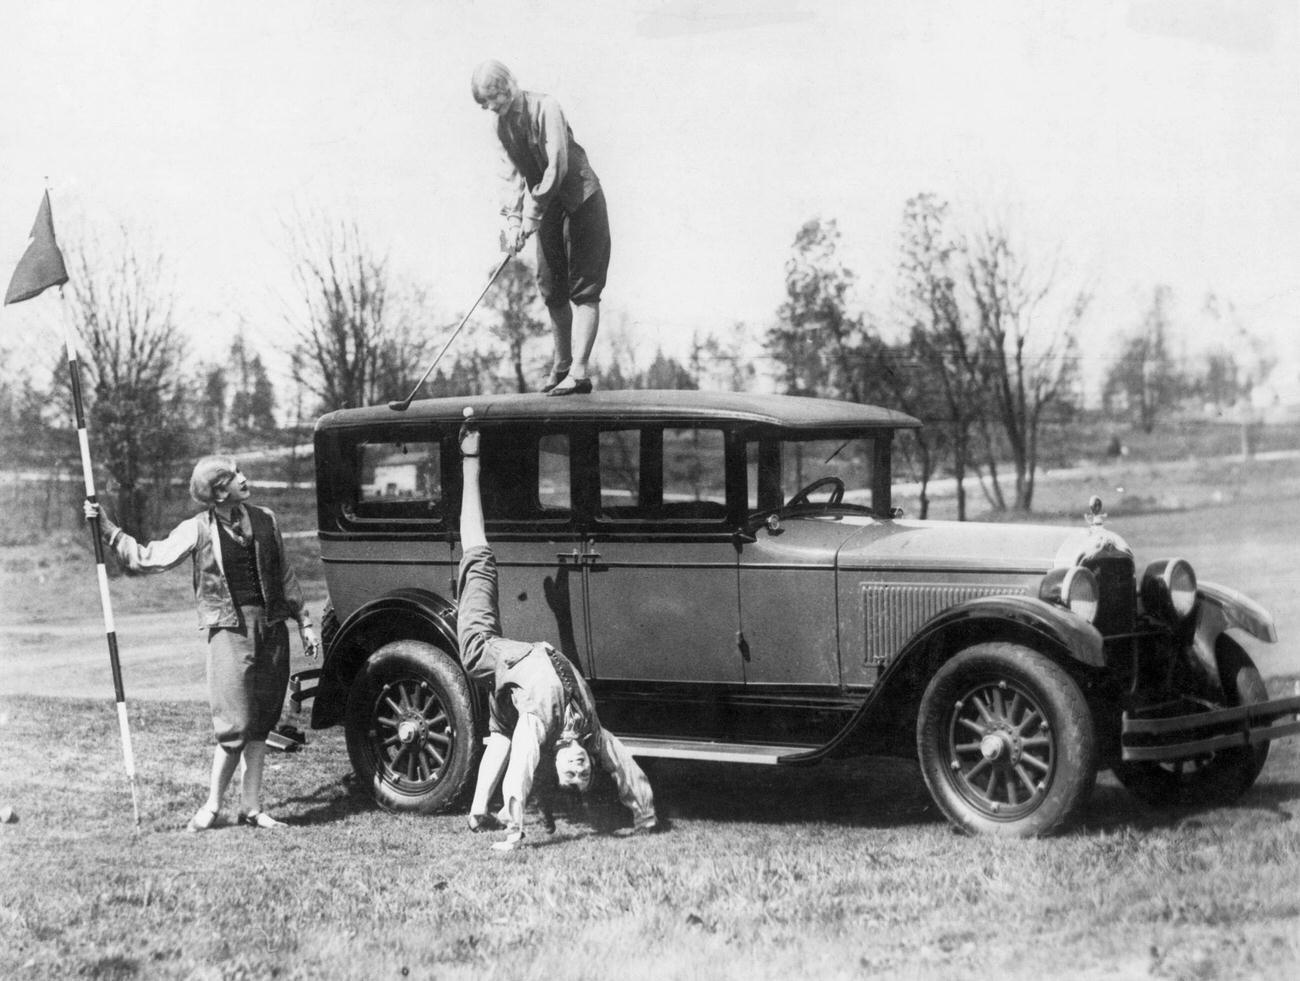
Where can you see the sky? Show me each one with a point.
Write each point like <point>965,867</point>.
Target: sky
<point>1128,143</point>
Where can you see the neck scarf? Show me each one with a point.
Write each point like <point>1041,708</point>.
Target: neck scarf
<point>236,522</point>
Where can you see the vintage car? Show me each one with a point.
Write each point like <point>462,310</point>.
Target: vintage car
<point>730,573</point>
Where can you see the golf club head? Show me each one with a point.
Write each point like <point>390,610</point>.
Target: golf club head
<point>401,405</point>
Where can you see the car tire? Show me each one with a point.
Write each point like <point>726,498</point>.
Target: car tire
<point>1006,742</point>
<point>1216,778</point>
<point>410,728</point>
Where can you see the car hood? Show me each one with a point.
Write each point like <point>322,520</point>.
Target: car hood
<point>961,545</point>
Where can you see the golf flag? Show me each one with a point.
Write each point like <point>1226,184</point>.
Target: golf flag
<point>40,268</point>
<point>42,264</point>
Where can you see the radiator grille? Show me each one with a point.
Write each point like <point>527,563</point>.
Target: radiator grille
<point>1117,610</point>
<point>893,612</point>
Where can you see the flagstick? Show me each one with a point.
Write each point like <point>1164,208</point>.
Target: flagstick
<point>124,726</point>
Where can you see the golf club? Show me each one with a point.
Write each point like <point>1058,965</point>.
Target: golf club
<point>404,404</point>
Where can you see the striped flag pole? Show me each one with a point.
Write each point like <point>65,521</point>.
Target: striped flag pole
<point>41,267</point>
<point>105,602</point>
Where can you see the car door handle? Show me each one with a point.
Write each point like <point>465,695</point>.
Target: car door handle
<point>575,556</point>
<point>591,558</point>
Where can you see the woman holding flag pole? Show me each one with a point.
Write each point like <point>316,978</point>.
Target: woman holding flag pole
<point>246,591</point>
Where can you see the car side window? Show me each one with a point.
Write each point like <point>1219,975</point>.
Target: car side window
<point>553,490</point>
<point>662,473</point>
<point>620,470</point>
<point>526,477</point>
<point>397,480</point>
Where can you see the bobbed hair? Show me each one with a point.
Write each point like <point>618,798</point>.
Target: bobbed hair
<point>492,76</point>
<point>210,475</point>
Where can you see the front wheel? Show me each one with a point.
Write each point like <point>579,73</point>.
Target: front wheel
<point>1006,742</point>
<point>410,727</point>
<point>1212,778</point>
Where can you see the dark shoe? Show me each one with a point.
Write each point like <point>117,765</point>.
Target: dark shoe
<point>484,822</point>
<point>278,740</point>
<point>554,379</point>
<point>259,819</point>
<point>572,386</point>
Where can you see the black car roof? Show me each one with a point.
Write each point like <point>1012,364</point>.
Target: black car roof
<point>638,405</point>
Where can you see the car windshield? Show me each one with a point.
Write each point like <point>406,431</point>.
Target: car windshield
<point>782,470</point>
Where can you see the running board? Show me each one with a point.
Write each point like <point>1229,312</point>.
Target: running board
<point>687,749</point>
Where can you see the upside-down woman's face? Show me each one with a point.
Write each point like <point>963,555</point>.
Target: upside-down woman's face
<point>573,768</point>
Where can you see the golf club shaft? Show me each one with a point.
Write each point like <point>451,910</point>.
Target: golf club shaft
<point>464,320</point>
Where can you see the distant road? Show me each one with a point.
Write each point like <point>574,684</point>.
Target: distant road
<point>162,655</point>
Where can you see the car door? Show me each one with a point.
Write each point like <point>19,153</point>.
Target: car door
<point>660,561</point>
<point>788,572</point>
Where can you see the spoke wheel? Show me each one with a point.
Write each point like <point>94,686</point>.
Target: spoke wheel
<point>410,727</point>
<point>1006,742</point>
<point>1003,754</point>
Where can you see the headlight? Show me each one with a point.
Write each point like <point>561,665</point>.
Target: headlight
<point>1080,593</point>
<point>1169,589</point>
<point>1075,588</point>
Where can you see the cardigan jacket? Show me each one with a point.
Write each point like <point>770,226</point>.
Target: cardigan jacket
<point>196,539</point>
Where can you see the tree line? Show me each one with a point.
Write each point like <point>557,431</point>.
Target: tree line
<point>982,339</point>
<point>976,336</point>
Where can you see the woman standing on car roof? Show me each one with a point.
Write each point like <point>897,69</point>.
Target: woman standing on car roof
<point>551,190</point>
<point>246,591</point>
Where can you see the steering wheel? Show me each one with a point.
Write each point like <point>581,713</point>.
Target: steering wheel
<point>837,492</point>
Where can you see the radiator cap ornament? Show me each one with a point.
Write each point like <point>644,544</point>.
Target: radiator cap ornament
<point>1094,516</point>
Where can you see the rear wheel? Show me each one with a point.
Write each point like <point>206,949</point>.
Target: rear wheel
<point>1006,742</point>
<point>1213,778</point>
<point>410,727</point>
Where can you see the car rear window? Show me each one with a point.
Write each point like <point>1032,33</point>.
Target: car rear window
<point>398,480</point>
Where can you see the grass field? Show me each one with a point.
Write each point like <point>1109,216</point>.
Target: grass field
<point>844,871</point>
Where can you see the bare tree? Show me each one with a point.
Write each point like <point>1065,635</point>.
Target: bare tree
<point>123,308</point>
<point>935,375</point>
<point>350,348</point>
<point>1029,344</point>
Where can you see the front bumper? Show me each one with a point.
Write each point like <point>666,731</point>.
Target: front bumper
<point>1171,732</point>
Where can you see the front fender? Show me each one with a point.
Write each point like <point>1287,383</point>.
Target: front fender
<point>405,614</point>
<point>1020,618</point>
<point>1226,608</point>
<point>887,717</point>
<point>1218,610</point>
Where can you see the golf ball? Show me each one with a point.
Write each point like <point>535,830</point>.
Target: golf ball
<point>469,411</point>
